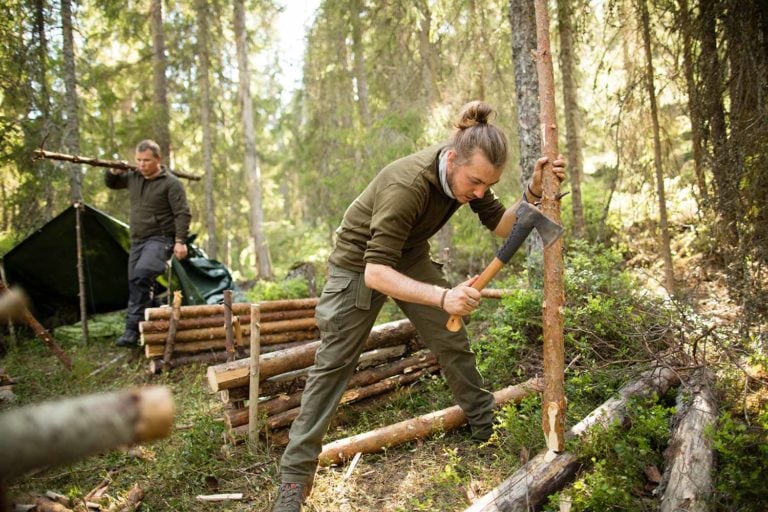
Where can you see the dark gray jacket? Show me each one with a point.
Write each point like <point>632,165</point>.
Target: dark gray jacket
<point>158,206</point>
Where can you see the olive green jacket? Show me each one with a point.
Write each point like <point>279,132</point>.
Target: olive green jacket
<point>391,222</point>
<point>158,206</point>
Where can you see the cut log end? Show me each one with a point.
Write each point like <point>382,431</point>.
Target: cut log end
<point>156,412</point>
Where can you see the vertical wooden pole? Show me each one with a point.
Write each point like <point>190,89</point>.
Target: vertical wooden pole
<point>229,341</point>
<point>11,327</point>
<point>239,348</point>
<point>553,406</point>
<point>170,339</point>
<point>81,270</point>
<point>253,395</point>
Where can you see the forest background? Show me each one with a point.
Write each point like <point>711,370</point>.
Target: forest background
<point>661,104</point>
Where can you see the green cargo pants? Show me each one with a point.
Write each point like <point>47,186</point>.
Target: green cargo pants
<point>345,313</point>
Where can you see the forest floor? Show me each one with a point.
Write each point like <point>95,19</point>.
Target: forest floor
<point>441,473</point>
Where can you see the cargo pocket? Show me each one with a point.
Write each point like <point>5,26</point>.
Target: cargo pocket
<point>336,300</point>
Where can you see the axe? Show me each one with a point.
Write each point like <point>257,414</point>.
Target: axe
<point>528,218</point>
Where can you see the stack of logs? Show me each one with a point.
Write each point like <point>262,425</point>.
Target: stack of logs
<point>392,357</point>
<point>200,332</point>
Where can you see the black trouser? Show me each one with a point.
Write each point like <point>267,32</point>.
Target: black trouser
<point>146,261</point>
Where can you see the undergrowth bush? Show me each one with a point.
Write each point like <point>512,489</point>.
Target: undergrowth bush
<point>618,457</point>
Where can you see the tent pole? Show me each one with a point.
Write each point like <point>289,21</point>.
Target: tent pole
<point>81,270</point>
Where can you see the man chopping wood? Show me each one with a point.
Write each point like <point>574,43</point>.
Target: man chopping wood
<point>382,249</point>
<point>159,225</point>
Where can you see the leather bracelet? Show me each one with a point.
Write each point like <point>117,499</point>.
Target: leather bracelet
<point>531,192</point>
<point>442,299</point>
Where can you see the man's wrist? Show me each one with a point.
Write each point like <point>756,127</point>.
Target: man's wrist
<point>530,194</point>
<point>442,298</point>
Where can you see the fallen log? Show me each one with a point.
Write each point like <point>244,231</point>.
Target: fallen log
<point>285,418</point>
<point>155,326</point>
<point>239,308</point>
<point>235,374</point>
<point>687,481</point>
<point>278,404</point>
<point>422,426</point>
<point>548,472</point>
<point>63,431</point>
<point>211,333</point>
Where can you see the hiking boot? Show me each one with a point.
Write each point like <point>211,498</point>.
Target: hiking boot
<point>129,339</point>
<point>290,497</point>
<point>481,434</point>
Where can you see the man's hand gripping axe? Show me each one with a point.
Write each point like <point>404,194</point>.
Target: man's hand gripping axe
<point>528,218</point>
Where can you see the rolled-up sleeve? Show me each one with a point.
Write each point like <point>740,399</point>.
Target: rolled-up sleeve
<point>489,209</point>
<point>395,211</point>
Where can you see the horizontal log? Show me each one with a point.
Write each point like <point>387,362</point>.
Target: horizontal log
<point>285,418</point>
<point>212,333</point>
<point>422,426</point>
<point>280,385</point>
<point>548,472</point>
<point>64,431</point>
<point>157,365</point>
<point>239,308</point>
<point>278,404</point>
<point>192,347</point>
<point>236,373</point>
<point>495,293</point>
<point>155,326</point>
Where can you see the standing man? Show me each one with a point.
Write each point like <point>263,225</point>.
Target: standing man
<point>159,224</point>
<point>382,249</point>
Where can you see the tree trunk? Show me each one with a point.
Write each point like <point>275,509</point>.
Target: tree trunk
<point>569,68</point>
<point>553,400</point>
<point>252,167</point>
<point>523,23</point>
<point>358,51</point>
<point>203,51</point>
<point>162,117</point>
<point>71,136</point>
<point>64,431</point>
<point>687,483</point>
<point>529,486</point>
<point>427,53</point>
<point>687,33</point>
<point>666,250</point>
<point>712,102</point>
<point>415,428</point>
<point>45,104</point>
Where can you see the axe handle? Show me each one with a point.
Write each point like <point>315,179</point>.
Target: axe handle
<point>454,322</point>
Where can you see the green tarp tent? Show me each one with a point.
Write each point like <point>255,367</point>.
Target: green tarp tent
<point>45,265</point>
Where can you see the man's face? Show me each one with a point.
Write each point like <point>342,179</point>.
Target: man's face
<point>147,163</point>
<point>471,179</point>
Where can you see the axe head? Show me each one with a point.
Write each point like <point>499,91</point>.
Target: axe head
<point>548,230</point>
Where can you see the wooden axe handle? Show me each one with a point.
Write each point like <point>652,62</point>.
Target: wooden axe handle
<point>454,322</point>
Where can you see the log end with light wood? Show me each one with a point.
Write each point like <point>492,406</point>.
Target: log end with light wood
<point>63,431</point>
<point>422,426</point>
